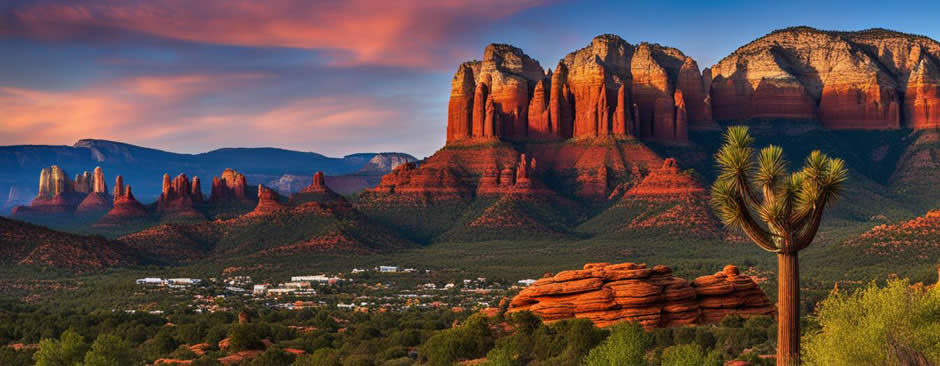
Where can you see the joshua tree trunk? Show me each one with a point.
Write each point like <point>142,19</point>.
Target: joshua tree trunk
<point>788,309</point>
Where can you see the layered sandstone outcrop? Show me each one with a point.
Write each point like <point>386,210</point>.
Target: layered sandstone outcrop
<point>179,194</point>
<point>86,194</point>
<point>609,87</point>
<point>611,293</point>
<point>872,79</point>
<point>229,187</point>
<point>269,201</point>
<point>730,292</point>
<point>672,201</point>
<point>317,191</point>
<point>125,208</point>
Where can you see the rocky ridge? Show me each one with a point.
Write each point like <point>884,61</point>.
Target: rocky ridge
<point>871,79</point>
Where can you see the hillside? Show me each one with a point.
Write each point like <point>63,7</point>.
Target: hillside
<point>23,244</point>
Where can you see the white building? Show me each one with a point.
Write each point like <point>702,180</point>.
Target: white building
<point>313,278</point>
<point>526,282</point>
<point>388,269</point>
<point>151,281</point>
<point>183,281</point>
<point>281,291</point>
<point>259,289</point>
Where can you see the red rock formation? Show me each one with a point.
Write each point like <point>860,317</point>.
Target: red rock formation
<point>230,187</point>
<point>667,181</point>
<point>480,96</point>
<point>622,123</point>
<point>495,90</point>
<point>318,192</point>
<point>578,99</point>
<point>539,127</point>
<point>97,200</point>
<point>178,195</point>
<point>460,108</point>
<point>922,99</point>
<point>82,182</point>
<point>729,292</point>
<point>268,202</point>
<point>857,79</point>
<point>57,195</point>
<point>318,184</point>
<point>125,208</point>
<point>560,114</point>
<point>691,83</point>
<point>608,294</point>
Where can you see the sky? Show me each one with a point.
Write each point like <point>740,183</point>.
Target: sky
<point>333,77</point>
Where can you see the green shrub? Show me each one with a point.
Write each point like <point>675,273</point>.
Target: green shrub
<point>890,325</point>
<point>689,355</point>
<point>110,350</point>
<point>625,346</point>
<point>467,341</point>
<point>68,350</point>
<point>322,357</point>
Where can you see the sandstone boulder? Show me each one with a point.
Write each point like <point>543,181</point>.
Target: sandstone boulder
<point>608,294</point>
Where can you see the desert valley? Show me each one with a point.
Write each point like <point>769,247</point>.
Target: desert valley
<point>574,215</point>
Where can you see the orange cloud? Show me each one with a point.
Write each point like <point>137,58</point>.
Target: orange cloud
<point>400,32</point>
<point>166,113</point>
<point>127,108</point>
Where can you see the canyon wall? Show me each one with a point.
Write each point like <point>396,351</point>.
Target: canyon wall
<point>872,79</point>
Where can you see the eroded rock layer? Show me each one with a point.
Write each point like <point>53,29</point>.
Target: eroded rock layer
<point>609,87</point>
<point>611,293</point>
<point>125,208</point>
<point>59,195</point>
<point>872,79</point>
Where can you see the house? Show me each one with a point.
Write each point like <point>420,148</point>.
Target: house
<point>151,281</point>
<point>388,269</point>
<point>313,278</point>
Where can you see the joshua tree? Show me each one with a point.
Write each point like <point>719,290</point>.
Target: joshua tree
<point>780,211</point>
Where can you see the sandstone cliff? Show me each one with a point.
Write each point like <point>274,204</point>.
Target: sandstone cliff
<point>230,187</point>
<point>609,87</point>
<point>125,209</point>
<point>611,293</point>
<point>872,79</point>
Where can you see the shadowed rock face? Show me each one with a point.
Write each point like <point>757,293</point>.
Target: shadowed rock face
<point>230,187</point>
<point>611,293</point>
<point>269,201</point>
<point>873,79</point>
<point>593,92</point>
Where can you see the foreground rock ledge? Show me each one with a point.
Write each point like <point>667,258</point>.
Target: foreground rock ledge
<point>610,293</point>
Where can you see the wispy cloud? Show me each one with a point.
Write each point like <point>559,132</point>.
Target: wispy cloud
<point>413,33</point>
<point>170,112</point>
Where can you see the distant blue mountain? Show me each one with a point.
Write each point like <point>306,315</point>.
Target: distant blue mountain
<point>143,167</point>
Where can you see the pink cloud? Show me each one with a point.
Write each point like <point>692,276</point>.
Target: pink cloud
<point>164,112</point>
<point>416,33</point>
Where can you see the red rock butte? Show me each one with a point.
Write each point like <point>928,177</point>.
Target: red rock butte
<point>871,79</point>
<point>611,293</point>
<point>609,87</point>
<point>86,194</point>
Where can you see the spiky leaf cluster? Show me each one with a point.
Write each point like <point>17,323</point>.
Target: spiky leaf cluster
<point>755,191</point>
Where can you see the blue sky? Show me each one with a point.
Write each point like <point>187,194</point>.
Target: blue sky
<point>335,77</point>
